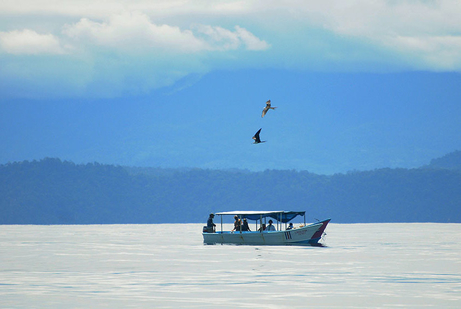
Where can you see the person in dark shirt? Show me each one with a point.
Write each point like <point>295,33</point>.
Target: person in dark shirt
<point>245,226</point>
<point>262,228</point>
<point>210,225</point>
<point>290,226</point>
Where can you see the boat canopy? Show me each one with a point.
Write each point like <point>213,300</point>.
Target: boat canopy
<point>281,215</point>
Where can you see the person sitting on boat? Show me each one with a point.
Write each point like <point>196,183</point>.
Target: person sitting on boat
<point>237,224</point>
<point>210,225</point>
<point>270,227</point>
<point>245,227</point>
<point>262,228</point>
<point>290,226</point>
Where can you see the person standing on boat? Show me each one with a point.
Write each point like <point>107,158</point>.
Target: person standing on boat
<point>270,227</point>
<point>237,224</point>
<point>262,228</point>
<point>245,227</point>
<point>210,225</point>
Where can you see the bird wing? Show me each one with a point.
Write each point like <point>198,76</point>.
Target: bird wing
<point>268,105</point>
<point>264,111</point>
<point>256,136</point>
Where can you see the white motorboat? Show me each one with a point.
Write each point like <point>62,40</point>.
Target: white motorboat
<point>303,234</point>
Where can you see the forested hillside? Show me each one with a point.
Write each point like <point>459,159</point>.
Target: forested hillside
<point>51,191</point>
<point>448,161</point>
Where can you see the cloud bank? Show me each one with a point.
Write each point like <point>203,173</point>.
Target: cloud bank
<point>134,31</point>
<point>29,42</point>
<point>136,46</point>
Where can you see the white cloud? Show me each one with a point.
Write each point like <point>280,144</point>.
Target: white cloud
<point>115,40</point>
<point>222,39</point>
<point>29,42</point>
<point>251,41</point>
<point>122,53</point>
<point>101,9</point>
<point>434,52</point>
<point>424,33</point>
<point>126,53</point>
<point>133,31</point>
<point>380,24</point>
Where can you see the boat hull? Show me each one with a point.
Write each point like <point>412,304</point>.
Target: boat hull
<point>307,235</point>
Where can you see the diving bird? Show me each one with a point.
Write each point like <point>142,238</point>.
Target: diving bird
<point>268,106</point>
<point>257,139</point>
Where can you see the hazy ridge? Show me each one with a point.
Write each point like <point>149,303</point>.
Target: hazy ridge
<point>51,191</point>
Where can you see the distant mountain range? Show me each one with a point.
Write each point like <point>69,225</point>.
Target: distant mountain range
<point>51,191</point>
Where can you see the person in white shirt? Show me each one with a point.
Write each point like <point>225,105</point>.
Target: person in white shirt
<point>270,227</point>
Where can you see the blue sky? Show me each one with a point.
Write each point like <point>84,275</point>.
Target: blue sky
<point>358,84</point>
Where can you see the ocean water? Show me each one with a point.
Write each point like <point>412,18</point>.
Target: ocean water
<point>401,265</point>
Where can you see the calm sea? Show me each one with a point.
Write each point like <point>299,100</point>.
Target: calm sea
<point>168,266</point>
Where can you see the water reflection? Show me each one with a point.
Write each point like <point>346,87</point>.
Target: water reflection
<point>147,266</point>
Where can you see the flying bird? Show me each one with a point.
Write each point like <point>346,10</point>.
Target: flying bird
<point>257,139</point>
<point>268,106</point>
